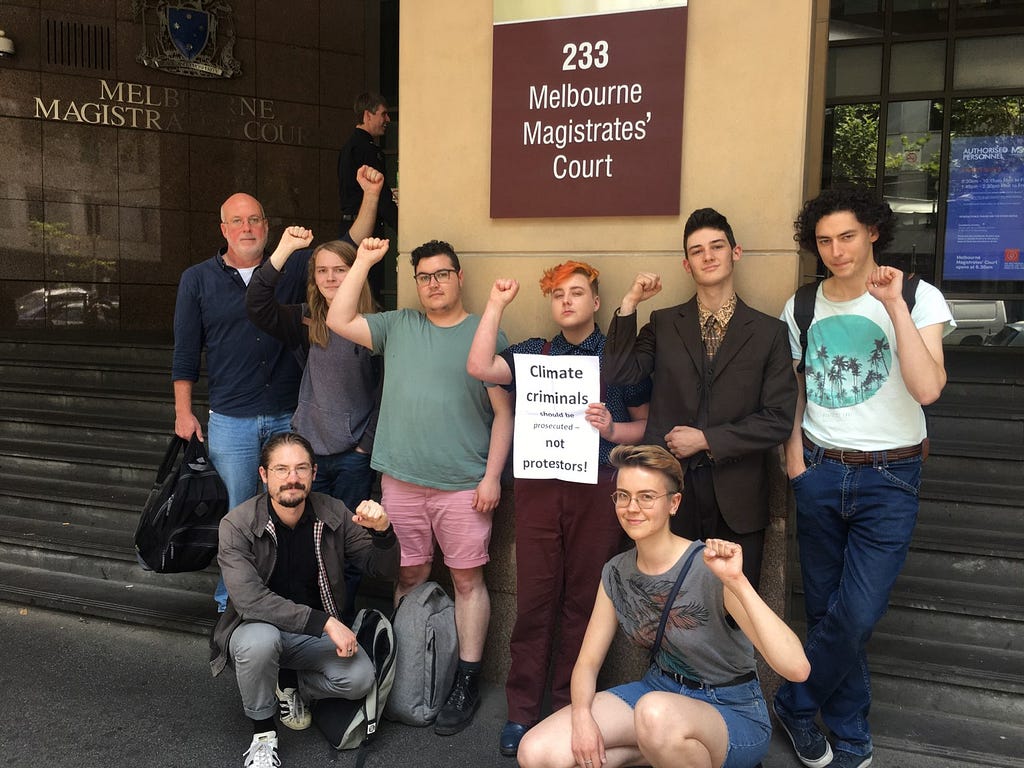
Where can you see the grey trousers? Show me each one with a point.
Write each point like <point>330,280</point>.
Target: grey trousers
<point>258,650</point>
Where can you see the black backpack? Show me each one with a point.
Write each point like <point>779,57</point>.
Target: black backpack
<point>352,723</point>
<point>178,528</point>
<point>803,309</point>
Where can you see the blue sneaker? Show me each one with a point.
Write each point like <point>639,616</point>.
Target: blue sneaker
<point>809,743</point>
<point>844,759</point>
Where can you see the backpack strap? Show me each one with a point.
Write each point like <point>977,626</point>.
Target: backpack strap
<point>672,598</point>
<point>803,313</point>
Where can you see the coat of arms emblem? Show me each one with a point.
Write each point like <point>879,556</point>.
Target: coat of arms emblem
<point>188,37</point>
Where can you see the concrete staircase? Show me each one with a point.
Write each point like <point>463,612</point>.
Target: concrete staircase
<point>947,660</point>
<point>83,428</point>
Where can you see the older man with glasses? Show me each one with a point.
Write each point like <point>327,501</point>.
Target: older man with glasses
<point>253,378</point>
<point>441,443</point>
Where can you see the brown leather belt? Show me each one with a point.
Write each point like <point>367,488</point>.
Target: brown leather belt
<point>860,458</point>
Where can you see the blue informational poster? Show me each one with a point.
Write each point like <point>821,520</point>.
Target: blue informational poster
<point>985,209</point>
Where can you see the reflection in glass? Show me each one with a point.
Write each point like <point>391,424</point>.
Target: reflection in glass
<point>913,150</point>
<point>981,14</point>
<point>854,71</point>
<point>916,67</point>
<point>917,16</point>
<point>851,146</point>
<point>989,62</point>
<point>66,305</point>
<point>853,19</point>
<point>991,116</point>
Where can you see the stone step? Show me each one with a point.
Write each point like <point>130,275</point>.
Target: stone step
<point>970,429</point>
<point>964,567</point>
<point>954,486</point>
<point>78,512</point>
<point>943,626</point>
<point>1002,467</point>
<point>945,595</point>
<point>85,452</point>
<point>114,474</point>
<point>947,740</point>
<point>75,490</point>
<point>948,662</point>
<point>972,516</point>
<point>125,427</point>
<point>150,382</point>
<point>134,603</point>
<point>1003,711</point>
<point>112,563</point>
<point>68,353</point>
<point>117,407</point>
<point>955,539</point>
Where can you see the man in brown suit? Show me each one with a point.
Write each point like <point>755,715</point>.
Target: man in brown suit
<point>724,389</point>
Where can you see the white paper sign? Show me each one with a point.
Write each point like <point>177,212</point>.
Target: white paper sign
<point>552,437</point>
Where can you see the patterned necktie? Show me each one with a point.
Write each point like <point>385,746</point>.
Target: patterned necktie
<point>712,336</point>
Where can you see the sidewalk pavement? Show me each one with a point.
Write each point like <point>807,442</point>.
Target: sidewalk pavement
<point>81,692</point>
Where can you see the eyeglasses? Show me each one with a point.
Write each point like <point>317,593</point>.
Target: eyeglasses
<point>441,276</point>
<point>281,472</point>
<point>644,499</point>
<point>252,221</point>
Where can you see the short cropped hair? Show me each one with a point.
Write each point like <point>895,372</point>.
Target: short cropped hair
<point>367,102</point>
<point>284,438</point>
<point>552,277</point>
<point>651,457</point>
<point>869,211</point>
<point>435,248</point>
<point>707,218</point>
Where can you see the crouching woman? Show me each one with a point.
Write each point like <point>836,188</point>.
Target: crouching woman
<point>700,703</point>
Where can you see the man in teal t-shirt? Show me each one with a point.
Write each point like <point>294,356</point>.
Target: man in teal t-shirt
<point>441,443</point>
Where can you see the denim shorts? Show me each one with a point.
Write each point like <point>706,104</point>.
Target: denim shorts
<point>741,706</point>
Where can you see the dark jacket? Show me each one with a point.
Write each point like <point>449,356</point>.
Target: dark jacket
<point>248,551</point>
<point>752,396</point>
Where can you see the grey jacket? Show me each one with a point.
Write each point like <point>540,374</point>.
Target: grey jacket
<point>248,551</point>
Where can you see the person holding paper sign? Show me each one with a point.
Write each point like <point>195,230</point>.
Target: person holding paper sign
<point>724,388</point>
<point>564,530</point>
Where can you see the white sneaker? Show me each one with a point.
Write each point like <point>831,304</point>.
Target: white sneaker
<point>293,711</point>
<point>262,752</point>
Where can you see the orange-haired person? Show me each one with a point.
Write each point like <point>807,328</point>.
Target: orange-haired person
<point>565,531</point>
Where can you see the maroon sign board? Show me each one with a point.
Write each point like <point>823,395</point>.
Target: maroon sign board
<point>587,115</point>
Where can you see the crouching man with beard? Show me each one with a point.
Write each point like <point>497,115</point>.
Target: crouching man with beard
<point>282,554</point>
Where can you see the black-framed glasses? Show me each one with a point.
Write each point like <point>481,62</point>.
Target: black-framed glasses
<point>644,499</point>
<point>441,276</point>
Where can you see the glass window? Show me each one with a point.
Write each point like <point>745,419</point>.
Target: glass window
<point>917,16</point>
<point>917,66</point>
<point>989,62</point>
<point>851,145</point>
<point>913,152</point>
<point>986,14</point>
<point>992,116</point>
<point>852,19</point>
<point>854,71</point>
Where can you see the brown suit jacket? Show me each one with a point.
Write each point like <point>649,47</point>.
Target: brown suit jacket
<point>752,394</point>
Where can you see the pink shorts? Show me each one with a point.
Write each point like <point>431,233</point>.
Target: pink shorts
<point>420,515</point>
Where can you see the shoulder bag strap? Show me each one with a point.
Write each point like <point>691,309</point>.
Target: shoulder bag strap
<point>672,598</point>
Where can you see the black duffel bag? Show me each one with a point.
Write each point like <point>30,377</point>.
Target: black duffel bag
<point>178,528</point>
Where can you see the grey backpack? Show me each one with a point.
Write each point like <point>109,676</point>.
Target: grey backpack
<point>428,653</point>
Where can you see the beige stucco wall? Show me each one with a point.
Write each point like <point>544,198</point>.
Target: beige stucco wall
<point>745,145</point>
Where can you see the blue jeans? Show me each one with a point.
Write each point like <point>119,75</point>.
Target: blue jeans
<point>854,525</point>
<point>234,445</point>
<point>742,707</point>
<point>346,476</point>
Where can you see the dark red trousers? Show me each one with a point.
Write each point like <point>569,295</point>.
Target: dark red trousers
<point>565,533</point>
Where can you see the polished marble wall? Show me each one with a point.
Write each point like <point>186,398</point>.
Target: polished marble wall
<point>112,173</point>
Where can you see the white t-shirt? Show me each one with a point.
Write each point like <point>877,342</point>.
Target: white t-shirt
<point>856,398</point>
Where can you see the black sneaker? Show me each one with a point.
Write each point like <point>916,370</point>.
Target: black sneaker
<point>810,744</point>
<point>462,704</point>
